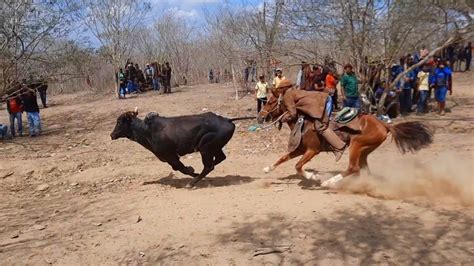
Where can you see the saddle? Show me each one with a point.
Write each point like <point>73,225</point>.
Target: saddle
<point>346,115</point>
<point>296,134</point>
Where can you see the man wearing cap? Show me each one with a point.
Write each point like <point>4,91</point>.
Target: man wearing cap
<point>350,90</point>
<point>313,104</point>
<point>279,77</point>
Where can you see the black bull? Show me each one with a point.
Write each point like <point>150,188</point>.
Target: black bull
<point>168,138</point>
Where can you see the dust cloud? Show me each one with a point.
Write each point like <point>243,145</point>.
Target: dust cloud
<point>447,179</point>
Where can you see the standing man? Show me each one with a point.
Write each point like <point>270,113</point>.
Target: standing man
<point>423,88</point>
<point>468,54</point>
<point>406,92</point>
<point>350,89</point>
<point>121,79</point>
<point>30,106</point>
<point>331,82</point>
<point>149,74</point>
<point>261,90</point>
<point>14,109</point>
<point>42,88</point>
<point>278,78</point>
<point>167,77</point>
<point>441,81</point>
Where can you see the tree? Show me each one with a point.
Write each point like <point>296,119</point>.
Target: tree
<point>114,23</point>
<point>29,31</point>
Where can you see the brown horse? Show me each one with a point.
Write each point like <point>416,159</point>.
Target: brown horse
<point>408,136</point>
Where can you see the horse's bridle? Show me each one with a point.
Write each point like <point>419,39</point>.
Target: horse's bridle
<point>265,113</point>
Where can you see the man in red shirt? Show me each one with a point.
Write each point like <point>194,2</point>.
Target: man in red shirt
<point>15,109</point>
<point>331,82</point>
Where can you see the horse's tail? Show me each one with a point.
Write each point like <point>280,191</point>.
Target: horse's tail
<point>411,136</point>
<point>241,118</point>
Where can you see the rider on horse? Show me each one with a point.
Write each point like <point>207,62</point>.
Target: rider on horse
<point>312,104</point>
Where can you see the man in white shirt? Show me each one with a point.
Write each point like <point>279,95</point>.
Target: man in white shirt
<point>423,88</point>
<point>261,90</point>
<point>279,77</point>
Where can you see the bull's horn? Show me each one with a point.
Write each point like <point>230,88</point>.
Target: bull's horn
<point>136,110</point>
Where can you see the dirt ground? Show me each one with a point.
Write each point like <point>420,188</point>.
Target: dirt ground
<point>74,197</point>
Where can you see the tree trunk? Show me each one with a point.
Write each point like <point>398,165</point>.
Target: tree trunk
<point>234,81</point>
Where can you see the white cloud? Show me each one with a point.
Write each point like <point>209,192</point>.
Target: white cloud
<point>183,13</point>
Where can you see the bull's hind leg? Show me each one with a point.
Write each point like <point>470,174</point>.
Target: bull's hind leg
<point>219,157</point>
<point>283,159</point>
<point>208,162</point>
<point>210,147</point>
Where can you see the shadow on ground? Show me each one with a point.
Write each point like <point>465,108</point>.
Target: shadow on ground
<point>229,180</point>
<point>361,235</point>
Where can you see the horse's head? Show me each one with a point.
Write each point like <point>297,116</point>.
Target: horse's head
<point>273,108</point>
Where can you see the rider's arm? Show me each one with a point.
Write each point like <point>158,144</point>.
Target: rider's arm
<point>289,101</point>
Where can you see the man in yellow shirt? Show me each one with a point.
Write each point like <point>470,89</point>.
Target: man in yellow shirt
<point>279,77</point>
<point>423,88</point>
<point>261,90</point>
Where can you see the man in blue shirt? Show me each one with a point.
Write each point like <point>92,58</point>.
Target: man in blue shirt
<point>407,87</point>
<point>441,81</point>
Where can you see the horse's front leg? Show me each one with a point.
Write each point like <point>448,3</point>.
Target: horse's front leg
<point>307,156</point>
<point>283,159</point>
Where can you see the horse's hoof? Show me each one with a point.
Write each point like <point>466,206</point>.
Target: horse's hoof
<point>190,186</point>
<point>268,169</point>
<point>331,182</point>
<point>190,169</point>
<point>310,176</point>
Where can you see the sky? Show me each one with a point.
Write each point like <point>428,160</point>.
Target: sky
<point>194,9</point>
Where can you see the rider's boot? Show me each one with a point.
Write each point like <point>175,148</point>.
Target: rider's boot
<point>335,142</point>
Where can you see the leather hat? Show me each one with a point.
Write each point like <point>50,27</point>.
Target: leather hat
<point>284,83</point>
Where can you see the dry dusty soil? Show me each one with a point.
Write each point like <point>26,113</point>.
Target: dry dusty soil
<point>74,197</point>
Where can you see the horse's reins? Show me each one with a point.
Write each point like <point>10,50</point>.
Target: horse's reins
<point>276,121</point>
<point>274,108</point>
<point>280,98</point>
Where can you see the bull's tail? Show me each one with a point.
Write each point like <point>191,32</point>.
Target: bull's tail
<point>411,136</point>
<point>241,118</point>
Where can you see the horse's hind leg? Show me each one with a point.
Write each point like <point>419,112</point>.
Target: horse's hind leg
<point>283,159</point>
<point>363,164</point>
<point>355,150</point>
<point>307,156</point>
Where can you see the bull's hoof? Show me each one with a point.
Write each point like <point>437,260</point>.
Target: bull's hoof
<point>190,186</point>
<point>190,169</point>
